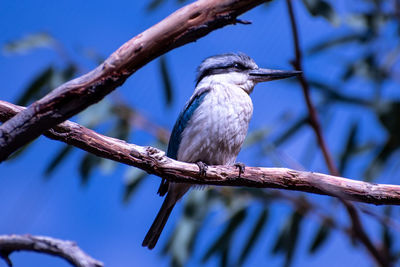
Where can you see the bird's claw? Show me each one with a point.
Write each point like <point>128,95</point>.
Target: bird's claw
<point>202,167</point>
<point>241,167</point>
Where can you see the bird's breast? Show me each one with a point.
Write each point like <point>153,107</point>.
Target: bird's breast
<point>218,127</point>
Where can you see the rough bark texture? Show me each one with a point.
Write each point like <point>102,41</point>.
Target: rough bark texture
<point>67,250</point>
<point>183,26</point>
<point>155,162</point>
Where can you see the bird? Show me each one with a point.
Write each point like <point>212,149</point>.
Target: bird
<point>213,124</point>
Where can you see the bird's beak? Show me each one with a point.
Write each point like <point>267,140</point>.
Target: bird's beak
<point>264,75</point>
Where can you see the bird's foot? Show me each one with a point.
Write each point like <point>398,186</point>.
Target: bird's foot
<point>241,167</point>
<point>202,167</point>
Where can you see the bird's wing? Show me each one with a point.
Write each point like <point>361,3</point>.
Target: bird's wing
<point>182,121</point>
<point>180,124</point>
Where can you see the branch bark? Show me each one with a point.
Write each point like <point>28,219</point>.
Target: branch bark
<point>155,162</point>
<point>67,250</point>
<point>183,26</point>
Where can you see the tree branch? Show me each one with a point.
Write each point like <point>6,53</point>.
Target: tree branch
<point>183,26</point>
<point>313,115</point>
<point>155,162</point>
<point>67,250</point>
<point>357,227</point>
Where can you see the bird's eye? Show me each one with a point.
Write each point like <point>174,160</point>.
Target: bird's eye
<point>239,66</point>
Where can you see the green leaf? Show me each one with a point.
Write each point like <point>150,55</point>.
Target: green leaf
<point>287,239</point>
<point>133,178</point>
<point>332,93</point>
<point>68,73</point>
<point>323,9</point>
<point>86,166</point>
<point>349,148</point>
<point>19,152</point>
<point>389,116</point>
<point>121,130</point>
<point>254,236</point>
<point>32,92</point>
<point>43,83</point>
<point>280,243</point>
<point>256,136</point>
<point>293,236</point>
<point>94,56</point>
<point>320,237</point>
<point>181,243</point>
<point>154,4</point>
<point>57,159</point>
<point>122,127</point>
<point>224,256</point>
<point>166,78</point>
<point>29,42</point>
<point>222,242</point>
<point>341,40</point>
<point>386,235</point>
<point>367,67</point>
<point>296,126</point>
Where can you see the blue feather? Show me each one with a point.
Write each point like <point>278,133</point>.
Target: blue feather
<point>180,125</point>
<point>176,135</point>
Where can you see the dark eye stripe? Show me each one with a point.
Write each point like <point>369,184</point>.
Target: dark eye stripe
<point>239,66</point>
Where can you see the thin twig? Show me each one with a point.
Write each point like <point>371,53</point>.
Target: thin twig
<point>357,227</point>
<point>313,116</point>
<point>67,250</point>
<point>362,236</point>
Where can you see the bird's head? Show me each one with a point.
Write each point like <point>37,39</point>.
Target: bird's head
<point>238,69</point>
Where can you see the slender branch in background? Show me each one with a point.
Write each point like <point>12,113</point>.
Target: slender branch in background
<point>357,226</point>
<point>183,26</point>
<point>67,250</point>
<point>313,115</point>
<point>155,162</point>
<point>361,235</point>
<point>397,8</point>
<point>302,203</point>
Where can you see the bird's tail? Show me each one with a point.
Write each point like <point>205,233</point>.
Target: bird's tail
<point>175,192</point>
<point>152,236</point>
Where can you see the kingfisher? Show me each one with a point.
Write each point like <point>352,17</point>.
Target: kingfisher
<point>213,124</point>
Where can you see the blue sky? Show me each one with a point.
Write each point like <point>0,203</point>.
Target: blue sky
<point>94,216</point>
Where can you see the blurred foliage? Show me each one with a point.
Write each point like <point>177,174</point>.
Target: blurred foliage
<point>29,42</point>
<point>373,31</point>
<point>166,80</point>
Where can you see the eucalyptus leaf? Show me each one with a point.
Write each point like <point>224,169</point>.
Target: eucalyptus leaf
<point>320,238</point>
<point>29,42</point>
<point>254,236</point>
<point>32,92</point>
<point>59,157</point>
<point>286,241</point>
<point>328,43</point>
<point>321,8</point>
<point>86,166</point>
<point>133,179</point>
<point>350,147</point>
<point>154,4</point>
<point>181,243</point>
<point>223,240</point>
<point>166,78</point>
